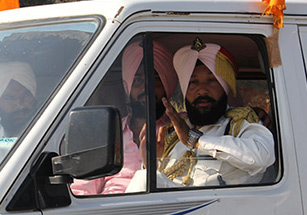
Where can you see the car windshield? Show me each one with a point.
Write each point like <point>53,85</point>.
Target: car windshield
<point>33,61</point>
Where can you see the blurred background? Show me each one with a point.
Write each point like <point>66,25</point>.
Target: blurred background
<point>26,3</point>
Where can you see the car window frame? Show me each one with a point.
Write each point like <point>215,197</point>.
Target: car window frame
<point>139,28</point>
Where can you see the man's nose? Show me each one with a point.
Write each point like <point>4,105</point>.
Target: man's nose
<point>20,104</point>
<point>202,90</point>
<point>142,88</point>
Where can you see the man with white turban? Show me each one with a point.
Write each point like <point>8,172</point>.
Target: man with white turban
<point>17,100</point>
<point>17,96</point>
<point>134,84</point>
<point>215,145</point>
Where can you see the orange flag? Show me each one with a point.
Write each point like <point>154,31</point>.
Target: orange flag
<point>275,8</point>
<point>8,4</point>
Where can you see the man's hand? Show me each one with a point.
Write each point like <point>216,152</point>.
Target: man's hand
<point>181,127</point>
<point>264,117</point>
<point>160,143</point>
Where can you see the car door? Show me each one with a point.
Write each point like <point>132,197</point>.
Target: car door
<point>256,80</point>
<point>302,34</point>
<point>106,85</point>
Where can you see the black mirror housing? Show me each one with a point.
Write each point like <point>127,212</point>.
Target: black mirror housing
<point>94,145</point>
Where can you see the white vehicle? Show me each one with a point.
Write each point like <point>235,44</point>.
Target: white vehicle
<point>75,52</point>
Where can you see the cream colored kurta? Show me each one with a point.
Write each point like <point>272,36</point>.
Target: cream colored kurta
<point>221,158</point>
<point>235,160</point>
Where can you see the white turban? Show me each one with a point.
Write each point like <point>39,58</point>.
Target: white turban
<point>20,72</point>
<point>217,59</point>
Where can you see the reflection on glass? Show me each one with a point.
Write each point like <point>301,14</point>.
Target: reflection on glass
<point>33,61</point>
<point>123,87</point>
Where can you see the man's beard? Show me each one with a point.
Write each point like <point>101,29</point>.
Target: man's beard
<point>160,109</point>
<point>13,126</point>
<point>201,117</point>
<point>139,108</point>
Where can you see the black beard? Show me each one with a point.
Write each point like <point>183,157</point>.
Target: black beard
<point>13,127</point>
<point>138,109</point>
<point>206,117</point>
<point>160,109</point>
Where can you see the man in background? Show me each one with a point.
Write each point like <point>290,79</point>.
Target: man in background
<point>17,101</point>
<point>134,84</point>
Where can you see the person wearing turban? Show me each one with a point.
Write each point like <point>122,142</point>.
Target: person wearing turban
<point>235,148</point>
<point>17,96</point>
<point>134,84</point>
<point>165,80</point>
<point>17,101</point>
<point>214,145</point>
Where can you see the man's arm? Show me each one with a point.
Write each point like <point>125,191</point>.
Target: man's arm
<point>251,151</point>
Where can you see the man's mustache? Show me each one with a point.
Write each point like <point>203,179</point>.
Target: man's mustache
<point>207,98</point>
<point>24,112</point>
<point>142,95</point>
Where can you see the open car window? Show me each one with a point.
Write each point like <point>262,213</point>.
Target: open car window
<point>206,169</point>
<point>116,89</point>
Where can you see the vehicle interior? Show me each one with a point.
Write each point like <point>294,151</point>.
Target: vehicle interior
<point>252,77</point>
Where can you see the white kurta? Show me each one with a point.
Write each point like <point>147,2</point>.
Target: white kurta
<point>221,158</point>
<point>236,160</point>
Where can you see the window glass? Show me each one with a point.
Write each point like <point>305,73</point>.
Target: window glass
<point>123,87</point>
<point>33,61</point>
<point>303,37</point>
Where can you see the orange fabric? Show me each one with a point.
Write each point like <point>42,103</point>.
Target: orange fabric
<point>275,8</point>
<point>8,4</point>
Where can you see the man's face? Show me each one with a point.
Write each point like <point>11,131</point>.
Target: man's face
<point>206,100</point>
<point>138,87</point>
<point>16,105</point>
<point>137,96</point>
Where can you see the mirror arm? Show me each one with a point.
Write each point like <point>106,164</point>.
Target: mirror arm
<point>60,179</point>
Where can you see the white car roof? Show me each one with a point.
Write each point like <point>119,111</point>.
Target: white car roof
<point>120,9</point>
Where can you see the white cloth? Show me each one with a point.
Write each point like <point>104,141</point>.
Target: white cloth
<point>239,160</point>
<point>20,72</point>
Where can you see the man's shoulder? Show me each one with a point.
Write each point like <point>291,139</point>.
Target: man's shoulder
<point>238,116</point>
<point>240,113</point>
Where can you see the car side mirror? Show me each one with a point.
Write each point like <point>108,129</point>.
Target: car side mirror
<point>94,145</point>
